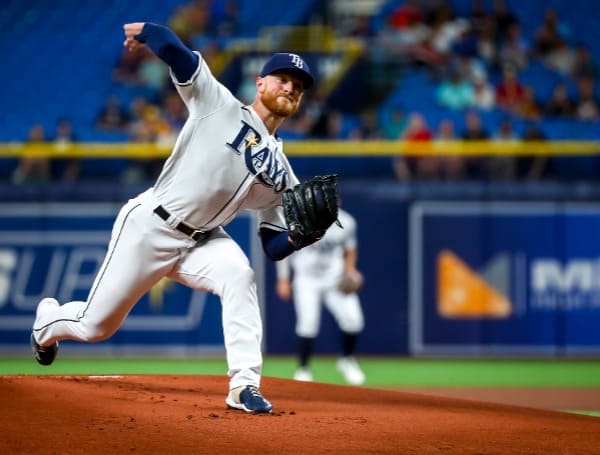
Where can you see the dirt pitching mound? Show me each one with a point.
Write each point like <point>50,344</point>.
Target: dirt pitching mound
<point>187,414</point>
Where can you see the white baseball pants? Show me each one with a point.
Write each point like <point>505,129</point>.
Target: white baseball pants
<point>143,249</point>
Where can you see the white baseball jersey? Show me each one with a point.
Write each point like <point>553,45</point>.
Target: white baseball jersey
<point>224,160</point>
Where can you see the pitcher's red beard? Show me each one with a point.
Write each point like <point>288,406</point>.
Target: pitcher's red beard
<point>280,104</point>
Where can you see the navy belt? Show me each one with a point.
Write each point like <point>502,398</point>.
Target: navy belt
<point>188,230</point>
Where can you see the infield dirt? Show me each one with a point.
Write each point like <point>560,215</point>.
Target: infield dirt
<point>187,414</point>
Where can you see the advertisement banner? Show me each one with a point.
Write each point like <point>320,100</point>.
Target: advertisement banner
<point>504,278</point>
<point>57,249</point>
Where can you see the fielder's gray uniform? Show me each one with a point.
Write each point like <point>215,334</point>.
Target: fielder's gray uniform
<point>317,271</point>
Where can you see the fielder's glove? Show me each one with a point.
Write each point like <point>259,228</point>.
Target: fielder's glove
<point>350,283</point>
<point>310,208</point>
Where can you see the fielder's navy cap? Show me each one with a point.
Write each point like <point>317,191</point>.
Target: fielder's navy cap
<point>283,61</point>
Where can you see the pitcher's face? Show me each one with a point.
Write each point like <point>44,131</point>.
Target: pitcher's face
<point>281,93</point>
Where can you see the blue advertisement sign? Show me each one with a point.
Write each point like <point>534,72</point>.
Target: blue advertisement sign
<point>504,278</point>
<point>57,249</point>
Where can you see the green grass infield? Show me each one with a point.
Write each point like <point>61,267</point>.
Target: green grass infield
<point>380,371</point>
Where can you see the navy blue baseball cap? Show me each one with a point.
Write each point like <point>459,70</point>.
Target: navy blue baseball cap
<point>287,62</point>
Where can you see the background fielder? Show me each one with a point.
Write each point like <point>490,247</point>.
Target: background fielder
<point>318,270</point>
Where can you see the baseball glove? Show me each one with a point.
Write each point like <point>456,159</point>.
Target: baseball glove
<point>310,208</point>
<point>350,282</point>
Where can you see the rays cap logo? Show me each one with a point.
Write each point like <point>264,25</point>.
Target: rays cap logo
<point>288,62</point>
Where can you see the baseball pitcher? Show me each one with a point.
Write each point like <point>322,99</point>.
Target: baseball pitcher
<point>227,158</point>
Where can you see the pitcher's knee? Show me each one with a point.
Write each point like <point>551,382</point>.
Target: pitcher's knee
<point>96,331</point>
<point>242,276</point>
<point>239,282</point>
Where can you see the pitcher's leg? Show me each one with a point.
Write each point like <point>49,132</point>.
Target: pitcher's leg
<point>221,267</point>
<point>131,266</point>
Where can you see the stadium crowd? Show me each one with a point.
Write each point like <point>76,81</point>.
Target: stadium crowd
<point>473,65</point>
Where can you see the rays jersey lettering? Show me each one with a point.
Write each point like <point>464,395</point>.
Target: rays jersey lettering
<point>260,161</point>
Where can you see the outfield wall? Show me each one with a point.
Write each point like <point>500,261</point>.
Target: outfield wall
<point>471,270</point>
<point>450,270</point>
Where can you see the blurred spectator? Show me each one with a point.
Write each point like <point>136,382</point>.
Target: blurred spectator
<point>449,167</point>
<point>478,17</point>
<point>514,50</point>
<point>369,126</point>
<point>416,130</point>
<point>310,113</point>
<point>175,112</point>
<point>484,96</point>
<point>447,30</point>
<point>154,127</point>
<point>112,117</point>
<point>406,15</point>
<point>469,67</point>
<point>127,70</point>
<point>560,104</point>
<point>486,44</point>
<point>190,20</point>
<point>209,47</point>
<point>529,108</point>
<point>474,130</point>
<point>502,167</point>
<point>561,59</point>
<point>33,169</point>
<point>456,92</point>
<point>66,169</point>
<point>434,49</point>
<point>549,35</point>
<point>533,167</point>
<point>137,109</point>
<point>150,128</point>
<point>584,67</point>
<point>466,44</point>
<point>587,108</point>
<point>510,93</point>
<point>394,124</point>
<point>153,73</point>
<point>301,124</point>
<point>504,19</point>
<point>424,53</point>
<point>505,131</point>
<point>247,90</point>
<point>401,37</point>
<point>330,125</point>
<point>361,28</point>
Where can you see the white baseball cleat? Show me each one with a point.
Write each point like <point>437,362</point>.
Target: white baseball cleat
<point>44,355</point>
<point>46,304</point>
<point>303,374</point>
<point>350,370</point>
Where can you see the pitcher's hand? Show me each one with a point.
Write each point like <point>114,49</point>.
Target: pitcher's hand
<point>131,30</point>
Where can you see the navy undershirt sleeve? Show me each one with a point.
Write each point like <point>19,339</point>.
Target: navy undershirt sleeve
<point>169,48</point>
<point>276,244</point>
